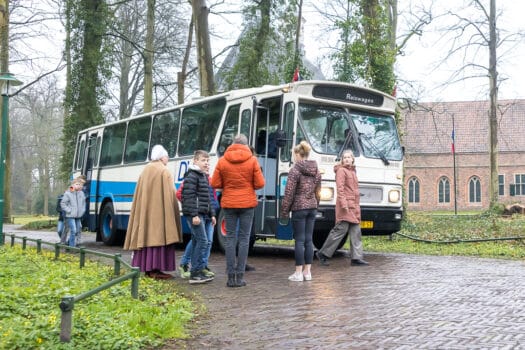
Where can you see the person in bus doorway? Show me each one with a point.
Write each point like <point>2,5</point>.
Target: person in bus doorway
<point>73,204</point>
<point>154,222</point>
<point>199,208</point>
<point>238,174</point>
<point>301,197</point>
<point>347,213</point>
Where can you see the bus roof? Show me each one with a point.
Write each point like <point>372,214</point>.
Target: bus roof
<point>240,93</point>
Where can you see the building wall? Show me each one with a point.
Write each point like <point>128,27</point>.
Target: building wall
<point>430,168</point>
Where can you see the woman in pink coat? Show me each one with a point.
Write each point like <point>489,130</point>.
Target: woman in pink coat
<point>347,213</point>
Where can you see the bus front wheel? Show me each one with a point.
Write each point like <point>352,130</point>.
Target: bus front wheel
<point>108,231</point>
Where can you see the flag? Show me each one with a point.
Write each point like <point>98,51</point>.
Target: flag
<point>296,75</point>
<point>394,90</point>
<point>452,136</point>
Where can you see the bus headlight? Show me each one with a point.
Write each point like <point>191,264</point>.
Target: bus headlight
<point>394,196</point>
<point>327,193</point>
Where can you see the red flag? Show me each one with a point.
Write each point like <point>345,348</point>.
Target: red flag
<point>394,90</point>
<point>296,75</point>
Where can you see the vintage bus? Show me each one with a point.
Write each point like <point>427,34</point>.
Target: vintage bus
<point>330,116</point>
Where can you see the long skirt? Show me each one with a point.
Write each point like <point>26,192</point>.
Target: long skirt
<point>154,258</point>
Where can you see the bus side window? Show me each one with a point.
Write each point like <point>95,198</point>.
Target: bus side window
<point>113,144</point>
<point>165,131</point>
<point>199,125</point>
<point>137,140</point>
<point>229,130</point>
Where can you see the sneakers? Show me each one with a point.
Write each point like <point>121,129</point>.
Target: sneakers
<point>358,262</point>
<point>249,268</point>
<point>307,277</point>
<point>323,259</point>
<point>184,271</point>
<point>208,272</point>
<point>199,277</point>
<point>296,277</point>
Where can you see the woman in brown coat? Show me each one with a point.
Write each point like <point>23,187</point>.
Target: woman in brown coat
<point>154,222</point>
<point>347,213</point>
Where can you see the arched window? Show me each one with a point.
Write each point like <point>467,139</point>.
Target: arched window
<point>413,190</point>
<point>474,190</point>
<point>444,190</point>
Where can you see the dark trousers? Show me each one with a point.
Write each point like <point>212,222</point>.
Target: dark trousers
<point>238,229</point>
<point>303,229</point>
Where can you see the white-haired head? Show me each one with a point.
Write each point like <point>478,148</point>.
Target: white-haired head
<point>241,139</point>
<point>157,152</point>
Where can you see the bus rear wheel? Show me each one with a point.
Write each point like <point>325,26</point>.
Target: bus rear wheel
<point>108,231</point>
<point>221,235</point>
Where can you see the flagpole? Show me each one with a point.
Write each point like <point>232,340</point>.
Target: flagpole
<point>454,158</point>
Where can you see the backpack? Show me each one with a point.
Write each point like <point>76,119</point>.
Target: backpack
<point>59,200</point>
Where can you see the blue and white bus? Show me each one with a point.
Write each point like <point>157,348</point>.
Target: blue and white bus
<point>331,116</point>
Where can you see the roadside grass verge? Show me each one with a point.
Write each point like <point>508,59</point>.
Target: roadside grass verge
<point>33,285</point>
<point>447,234</point>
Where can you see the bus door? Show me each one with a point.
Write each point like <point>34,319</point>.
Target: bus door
<point>91,185</point>
<point>267,119</point>
<point>283,229</point>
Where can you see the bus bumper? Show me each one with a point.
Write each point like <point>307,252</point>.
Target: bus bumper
<point>384,221</point>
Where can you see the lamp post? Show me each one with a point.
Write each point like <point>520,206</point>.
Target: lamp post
<point>6,80</point>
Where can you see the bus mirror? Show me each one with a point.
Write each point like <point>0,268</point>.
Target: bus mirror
<point>280,138</point>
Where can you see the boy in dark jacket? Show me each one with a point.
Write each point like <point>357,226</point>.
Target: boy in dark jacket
<point>200,215</point>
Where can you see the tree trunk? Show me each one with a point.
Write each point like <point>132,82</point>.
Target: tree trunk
<point>148,57</point>
<point>202,36</point>
<point>181,76</point>
<point>493,116</point>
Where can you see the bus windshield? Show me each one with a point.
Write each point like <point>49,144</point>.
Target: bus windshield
<point>377,136</point>
<point>327,127</point>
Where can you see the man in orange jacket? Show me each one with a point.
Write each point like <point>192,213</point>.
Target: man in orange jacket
<point>238,174</point>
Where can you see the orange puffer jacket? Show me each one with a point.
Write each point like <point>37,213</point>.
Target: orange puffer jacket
<point>238,174</point>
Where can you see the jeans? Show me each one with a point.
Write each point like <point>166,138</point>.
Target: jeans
<point>200,244</point>
<point>241,218</point>
<point>303,230</point>
<point>62,230</point>
<point>186,258</point>
<point>75,227</point>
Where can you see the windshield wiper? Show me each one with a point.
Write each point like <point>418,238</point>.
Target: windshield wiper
<point>378,152</point>
<point>345,144</point>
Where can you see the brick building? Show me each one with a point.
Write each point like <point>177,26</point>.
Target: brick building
<point>429,162</point>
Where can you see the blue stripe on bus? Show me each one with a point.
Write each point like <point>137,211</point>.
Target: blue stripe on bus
<point>118,191</point>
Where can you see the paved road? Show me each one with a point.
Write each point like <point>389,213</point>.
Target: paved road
<point>398,302</point>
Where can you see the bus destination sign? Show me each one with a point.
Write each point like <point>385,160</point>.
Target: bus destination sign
<point>348,94</point>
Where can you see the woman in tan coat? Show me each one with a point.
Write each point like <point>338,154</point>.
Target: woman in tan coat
<point>154,222</point>
<point>347,213</point>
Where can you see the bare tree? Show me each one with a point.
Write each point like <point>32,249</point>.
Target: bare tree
<point>148,56</point>
<point>478,23</point>
<point>37,122</point>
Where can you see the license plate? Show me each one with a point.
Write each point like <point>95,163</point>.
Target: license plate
<point>367,224</point>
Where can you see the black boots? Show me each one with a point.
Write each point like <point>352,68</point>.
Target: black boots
<point>231,280</point>
<point>240,280</point>
<point>236,280</point>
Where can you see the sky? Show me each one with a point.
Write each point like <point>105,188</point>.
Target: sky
<point>421,73</point>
